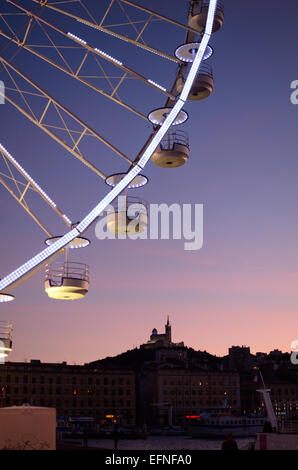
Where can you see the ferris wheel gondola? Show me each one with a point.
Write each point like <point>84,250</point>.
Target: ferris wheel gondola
<point>187,85</point>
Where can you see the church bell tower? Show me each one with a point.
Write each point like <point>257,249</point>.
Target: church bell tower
<point>168,330</point>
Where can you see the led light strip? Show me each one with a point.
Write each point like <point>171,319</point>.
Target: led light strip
<point>77,38</point>
<point>26,175</point>
<point>108,56</point>
<point>43,194</point>
<point>156,84</point>
<point>117,62</point>
<point>15,276</point>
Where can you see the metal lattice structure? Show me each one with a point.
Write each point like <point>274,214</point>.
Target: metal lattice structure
<point>35,31</point>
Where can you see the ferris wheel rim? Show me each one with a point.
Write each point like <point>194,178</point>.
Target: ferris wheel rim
<point>14,278</point>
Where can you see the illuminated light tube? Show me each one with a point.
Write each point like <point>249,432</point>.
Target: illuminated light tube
<point>42,256</point>
<point>89,219</point>
<point>187,51</point>
<point>161,133</point>
<point>138,182</point>
<point>86,22</point>
<point>156,84</point>
<point>24,172</point>
<point>108,56</point>
<point>194,69</point>
<point>108,199</point>
<point>66,218</point>
<point>210,17</point>
<point>6,297</point>
<point>73,36</point>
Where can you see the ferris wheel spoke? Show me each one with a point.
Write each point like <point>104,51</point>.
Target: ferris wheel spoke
<point>106,12</point>
<point>110,32</point>
<point>75,74</point>
<point>40,122</point>
<point>10,178</point>
<point>25,207</point>
<point>96,51</point>
<point>21,273</point>
<point>132,24</point>
<point>124,76</point>
<point>15,33</point>
<point>158,15</point>
<point>30,184</point>
<point>27,30</point>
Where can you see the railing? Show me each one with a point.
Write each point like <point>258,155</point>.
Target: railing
<point>287,427</point>
<point>56,272</point>
<point>122,204</point>
<point>5,330</point>
<point>205,69</point>
<point>174,137</point>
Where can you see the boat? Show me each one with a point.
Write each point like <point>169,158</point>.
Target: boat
<point>218,422</point>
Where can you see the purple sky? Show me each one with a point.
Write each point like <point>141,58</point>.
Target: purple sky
<point>241,287</point>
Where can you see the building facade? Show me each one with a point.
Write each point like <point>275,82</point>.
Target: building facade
<point>172,393</point>
<point>74,390</point>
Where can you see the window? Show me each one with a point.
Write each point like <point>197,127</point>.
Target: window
<point>33,380</point>
<point>25,380</point>
<point>42,379</point>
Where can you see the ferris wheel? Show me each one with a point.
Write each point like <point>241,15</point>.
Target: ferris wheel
<point>31,28</point>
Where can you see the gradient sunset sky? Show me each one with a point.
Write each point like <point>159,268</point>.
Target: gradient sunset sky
<point>242,286</point>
